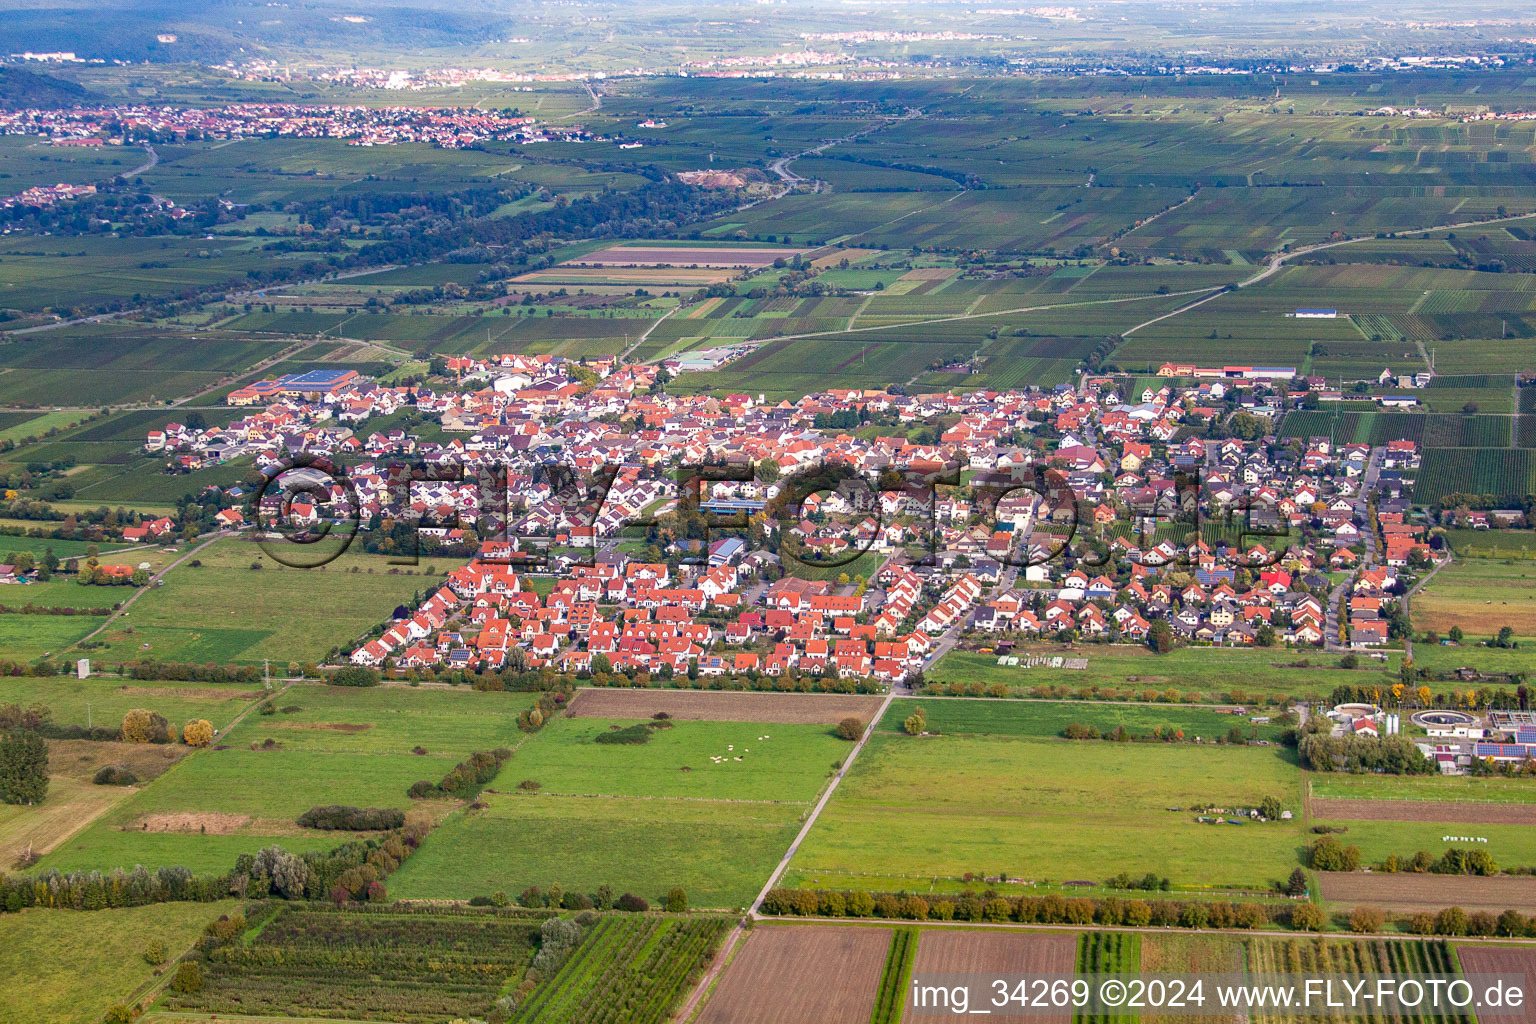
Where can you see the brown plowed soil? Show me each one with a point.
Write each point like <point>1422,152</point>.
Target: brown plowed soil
<point>1409,891</point>
<point>801,974</point>
<point>1465,813</point>
<point>987,953</point>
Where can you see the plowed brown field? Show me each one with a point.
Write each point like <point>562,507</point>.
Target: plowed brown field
<point>1407,891</point>
<point>985,952</point>
<point>801,974</point>
<point>1453,812</point>
<point>1502,960</point>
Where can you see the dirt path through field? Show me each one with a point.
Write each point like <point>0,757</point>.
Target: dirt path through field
<point>695,998</point>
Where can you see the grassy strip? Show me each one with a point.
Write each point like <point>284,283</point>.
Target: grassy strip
<point>893,980</point>
<point>1107,953</point>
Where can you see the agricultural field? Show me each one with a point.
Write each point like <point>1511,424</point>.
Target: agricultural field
<point>1410,892</point>
<point>919,807</point>
<point>321,746</point>
<point>94,364</point>
<point>1480,596</point>
<point>1474,813</point>
<point>68,967</point>
<point>628,970</point>
<point>1508,474</point>
<point>412,967</point>
<point>205,612</point>
<point>751,782</point>
<point>1194,674</point>
<point>994,954</point>
<point>797,974</point>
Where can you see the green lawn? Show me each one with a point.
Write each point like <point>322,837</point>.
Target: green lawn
<point>790,765</point>
<point>1479,595</point>
<point>1510,846</point>
<point>1038,809</point>
<point>1461,788</point>
<point>71,966</point>
<point>720,853</point>
<point>29,637</point>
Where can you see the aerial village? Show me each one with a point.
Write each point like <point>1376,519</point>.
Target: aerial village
<point>1140,537</point>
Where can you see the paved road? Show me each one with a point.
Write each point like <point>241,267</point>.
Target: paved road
<point>780,166</point>
<point>154,158</point>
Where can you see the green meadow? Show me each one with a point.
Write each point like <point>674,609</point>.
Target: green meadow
<point>70,967</point>
<point>1043,810</point>
<point>335,746</point>
<point>226,611</point>
<point>638,817</point>
<point>961,716</point>
<point>100,701</point>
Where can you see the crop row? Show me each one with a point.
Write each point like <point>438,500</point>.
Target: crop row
<point>410,967</point>
<point>1353,958</point>
<point>894,978</point>
<point>1506,474</point>
<point>1108,953</point>
<point>631,970</point>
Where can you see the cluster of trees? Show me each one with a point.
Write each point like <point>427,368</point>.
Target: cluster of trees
<point>23,767</point>
<point>355,868</point>
<point>1110,910</point>
<point>1159,734</point>
<point>464,779</point>
<point>791,682</point>
<point>140,725</point>
<point>1455,861</point>
<point>95,575</point>
<point>1393,755</point>
<point>354,675</point>
<point>1328,854</point>
<point>849,729</point>
<point>1053,909</point>
<point>631,735</point>
<point>335,817</point>
<point>557,897</point>
<point>550,701</point>
<point>192,672</point>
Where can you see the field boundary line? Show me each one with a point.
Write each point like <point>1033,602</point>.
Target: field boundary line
<point>1276,933</point>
